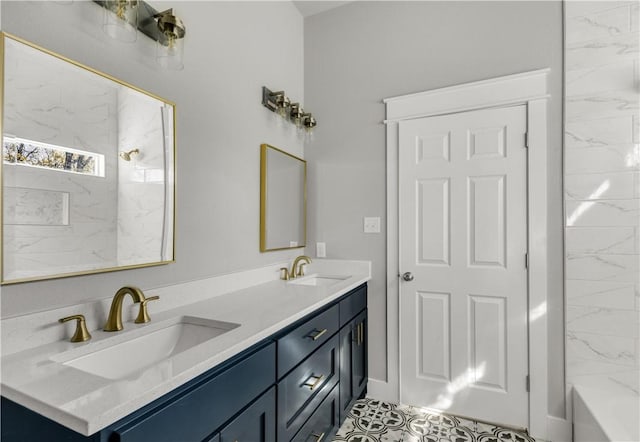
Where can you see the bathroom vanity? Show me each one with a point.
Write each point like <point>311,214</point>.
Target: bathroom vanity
<point>295,384</point>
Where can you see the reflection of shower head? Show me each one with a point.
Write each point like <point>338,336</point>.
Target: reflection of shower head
<point>128,155</point>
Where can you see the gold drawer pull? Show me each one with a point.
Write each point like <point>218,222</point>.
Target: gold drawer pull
<point>318,436</point>
<point>317,334</point>
<point>312,385</point>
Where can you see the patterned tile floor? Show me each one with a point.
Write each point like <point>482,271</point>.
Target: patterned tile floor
<point>375,421</point>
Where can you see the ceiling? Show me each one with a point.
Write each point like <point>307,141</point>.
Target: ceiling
<point>311,7</point>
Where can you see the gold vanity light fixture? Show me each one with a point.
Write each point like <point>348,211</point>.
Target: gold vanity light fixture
<point>127,156</point>
<point>170,47</point>
<point>309,122</point>
<point>296,114</point>
<point>123,18</point>
<point>279,103</point>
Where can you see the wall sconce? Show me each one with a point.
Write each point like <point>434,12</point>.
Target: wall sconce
<point>123,18</point>
<point>170,48</point>
<point>309,122</point>
<point>279,103</point>
<point>296,114</point>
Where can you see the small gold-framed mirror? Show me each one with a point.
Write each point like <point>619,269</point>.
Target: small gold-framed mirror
<point>87,172</point>
<point>283,200</point>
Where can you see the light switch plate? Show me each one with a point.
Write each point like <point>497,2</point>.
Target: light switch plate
<point>372,224</point>
<point>321,250</point>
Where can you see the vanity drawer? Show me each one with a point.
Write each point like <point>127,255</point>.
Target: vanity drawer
<point>303,340</point>
<point>324,422</point>
<point>302,390</point>
<point>200,410</point>
<point>354,303</point>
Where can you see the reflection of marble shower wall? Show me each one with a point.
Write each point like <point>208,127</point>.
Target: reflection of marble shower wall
<point>141,180</point>
<point>83,118</point>
<point>602,191</point>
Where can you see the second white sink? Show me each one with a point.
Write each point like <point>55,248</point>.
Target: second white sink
<point>319,280</point>
<point>125,358</point>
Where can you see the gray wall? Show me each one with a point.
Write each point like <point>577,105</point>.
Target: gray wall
<point>363,52</point>
<point>231,50</point>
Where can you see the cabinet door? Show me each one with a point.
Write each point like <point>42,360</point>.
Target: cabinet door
<point>359,355</point>
<point>353,362</point>
<point>256,424</point>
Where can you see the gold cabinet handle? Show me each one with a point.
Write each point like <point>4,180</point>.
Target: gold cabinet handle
<point>81,334</point>
<point>361,328</point>
<point>313,385</point>
<point>318,437</point>
<point>143,314</point>
<point>315,335</point>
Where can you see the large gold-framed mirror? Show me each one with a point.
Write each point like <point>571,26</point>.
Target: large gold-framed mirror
<point>283,200</point>
<point>87,172</point>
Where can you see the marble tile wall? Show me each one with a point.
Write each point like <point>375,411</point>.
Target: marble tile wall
<point>602,192</point>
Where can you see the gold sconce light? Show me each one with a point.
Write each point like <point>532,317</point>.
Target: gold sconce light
<point>123,18</point>
<point>279,103</point>
<point>170,48</point>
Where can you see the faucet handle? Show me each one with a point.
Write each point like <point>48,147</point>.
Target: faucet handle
<point>81,334</point>
<point>284,274</point>
<point>301,269</point>
<point>143,315</point>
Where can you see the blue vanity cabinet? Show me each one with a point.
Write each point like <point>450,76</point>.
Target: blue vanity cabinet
<point>315,396</point>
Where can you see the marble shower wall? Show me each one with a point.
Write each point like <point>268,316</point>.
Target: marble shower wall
<point>602,192</point>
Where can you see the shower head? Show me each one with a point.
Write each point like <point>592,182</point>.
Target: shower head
<point>128,155</point>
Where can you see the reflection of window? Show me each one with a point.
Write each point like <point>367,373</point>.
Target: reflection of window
<point>48,156</point>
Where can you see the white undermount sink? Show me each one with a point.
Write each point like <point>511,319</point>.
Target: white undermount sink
<point>122,359</point>
<point>319,280</point>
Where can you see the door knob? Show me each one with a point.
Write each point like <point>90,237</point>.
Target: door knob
<point>407,276</point>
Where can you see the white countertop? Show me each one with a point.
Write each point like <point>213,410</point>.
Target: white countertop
<point>88,403</point>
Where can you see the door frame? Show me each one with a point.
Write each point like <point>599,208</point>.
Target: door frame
<point>530,89</point>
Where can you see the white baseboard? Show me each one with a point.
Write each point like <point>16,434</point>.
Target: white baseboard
<point>558,430</point>
<point>382,391</point>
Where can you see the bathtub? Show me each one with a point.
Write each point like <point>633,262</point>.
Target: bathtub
<point>605,412</point>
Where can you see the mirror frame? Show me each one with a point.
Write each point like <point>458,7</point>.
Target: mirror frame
<point>3,281</point>
<point>263,198</point>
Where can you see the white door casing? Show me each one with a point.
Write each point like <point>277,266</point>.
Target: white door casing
<point>463,237</point>
<point>527,88</point>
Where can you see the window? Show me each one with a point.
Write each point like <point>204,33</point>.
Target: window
<point>19,151</point>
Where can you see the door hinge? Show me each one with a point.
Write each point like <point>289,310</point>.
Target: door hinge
<point>526,260</point>
<point>526,140</point>
<point>528,383</point>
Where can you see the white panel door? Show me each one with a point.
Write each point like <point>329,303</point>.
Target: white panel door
<point>463,224</point>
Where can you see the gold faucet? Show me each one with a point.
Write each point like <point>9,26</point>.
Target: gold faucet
<point>297,269</point>
<point>114,321</point>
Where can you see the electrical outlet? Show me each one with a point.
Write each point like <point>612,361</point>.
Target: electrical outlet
<point>321,250</point>
<point>372,224</point>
